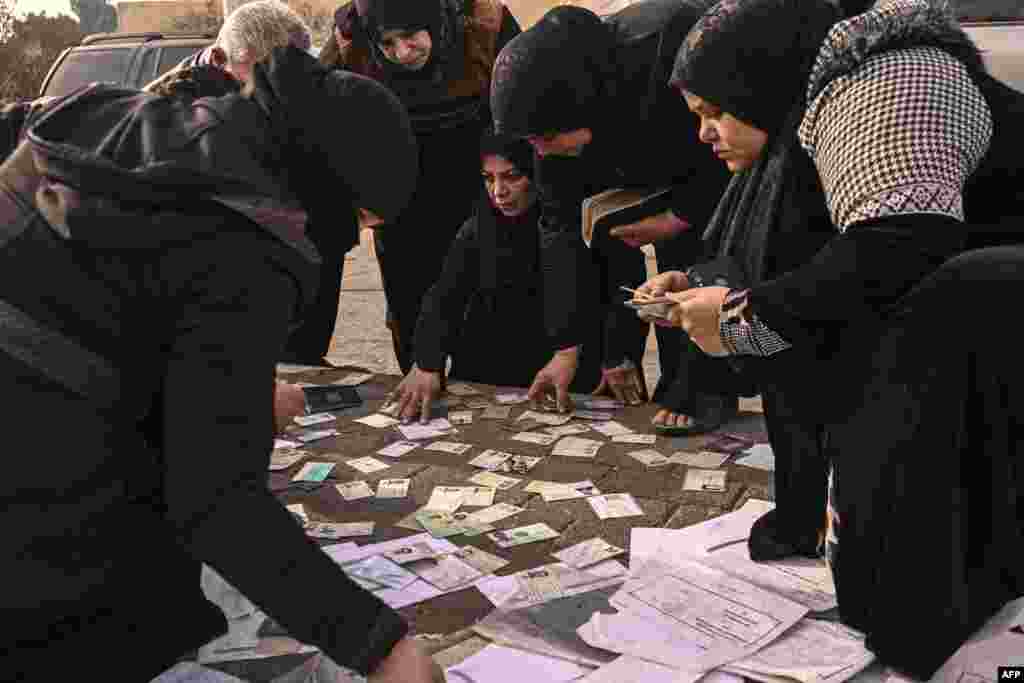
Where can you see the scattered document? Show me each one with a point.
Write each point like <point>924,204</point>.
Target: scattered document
<point>354,490</point>
<point>398,449</point>
<point>705,480</point>
<point>611,428</point>
<point>568,430</point>
<point>314,419</point>
<point>377,420</point>
<point>366,464</point>
<point>576,447</point>
<point>801,579</point>
<point>535,438</point>
<point>649,457</point>
<point>641,439</point>
<point>495,664</point>
<point>588,553</point>
<point>759,456</point>
<point>448,447</point>
<point>690,616</point>
<point>497,481</point>
<point>613,505</point>
<point>708,460</point>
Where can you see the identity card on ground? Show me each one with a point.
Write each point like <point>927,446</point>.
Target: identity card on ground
<point>531,533</point>
<point>496,413</point>
<point>315,419</point>
<point>393,488</point>
<point>314,471</point>
<point>640,439</point>
<point>332,530</point>
<point>587,553</point>
<point>704,480</point>
<point>649,457</point>
<point>461,417</point>
<point>367,464</point>
<point>398,449</point>
<point>495,481</point>
<point>577,447</point>
<point>611,428</point>
<point>448,447</point>
<point>704,459</point>
<point>612,505</point>
<point>377,420</point>
<point>354,490</point>
<point>446,498</point>
<point>283,458</point>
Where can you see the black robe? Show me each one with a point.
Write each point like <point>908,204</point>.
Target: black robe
<point>486,311</point>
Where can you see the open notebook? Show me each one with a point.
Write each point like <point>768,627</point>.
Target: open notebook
<point>619,206</point>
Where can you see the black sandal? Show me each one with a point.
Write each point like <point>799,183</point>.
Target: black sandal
<point>712,412</point>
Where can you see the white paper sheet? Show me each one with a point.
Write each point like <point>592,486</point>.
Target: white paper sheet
<point>811,652</point>
<point>628,669</point>
<point>498,664</point>
<point>801,579</point>
<point>667,611</point>
<point>670,545</point>
<point>505,591</point>
<point>759,456</point>
<point>991,646</point>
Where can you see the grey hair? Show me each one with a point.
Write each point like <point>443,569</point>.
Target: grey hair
<point>254,29</point>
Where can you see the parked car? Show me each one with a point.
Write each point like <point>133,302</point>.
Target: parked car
<point>128,59</point>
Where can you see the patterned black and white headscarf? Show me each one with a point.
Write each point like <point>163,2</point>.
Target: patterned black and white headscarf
<point>895,123</point>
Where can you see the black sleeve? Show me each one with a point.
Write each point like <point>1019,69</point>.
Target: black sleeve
<point>571,283</point>
<point>858,274</point>
<point>619,265</point>
<point>12,120</point>
<point>444,304</point>
<point>509,29</point>
<point>219,387</point>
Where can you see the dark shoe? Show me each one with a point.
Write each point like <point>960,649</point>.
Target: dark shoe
<point>768,542</point>
<point>711,412</point>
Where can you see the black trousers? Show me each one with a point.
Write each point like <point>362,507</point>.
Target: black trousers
<point>309,342</point>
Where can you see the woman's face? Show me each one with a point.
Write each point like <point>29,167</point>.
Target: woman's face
<point>410,49</point>
<point>510,191</point>
<point>736,143</point>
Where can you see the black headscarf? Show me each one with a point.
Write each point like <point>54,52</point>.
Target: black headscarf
<point>305,101</point>
<point>497,232</point>
<point>518,152</point>
<point>753,58</point>
<point>556,76</point>
<point>364,21</point>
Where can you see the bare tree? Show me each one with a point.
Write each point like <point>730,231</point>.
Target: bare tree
<point>208,20</point>
<point>31,46</point>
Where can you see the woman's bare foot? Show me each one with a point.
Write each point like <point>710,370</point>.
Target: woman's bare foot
<point>667,418</point>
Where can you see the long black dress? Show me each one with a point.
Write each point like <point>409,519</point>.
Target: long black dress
<point>486,311</point>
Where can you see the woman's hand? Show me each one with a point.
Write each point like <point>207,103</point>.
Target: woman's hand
<point>289,403</point>
<point>697,311</point>
<point>662,284</point>
<point>556,377</point>
<point>624,382</point>
<point>415,394</point>
<point>407,663</point>
<point>651,229</point>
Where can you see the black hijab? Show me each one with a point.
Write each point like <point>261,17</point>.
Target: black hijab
<point>555,77</point>
<point>367,20</point>
<point>753,58</point>
<point>499,233</point>
<point>304,102</point>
